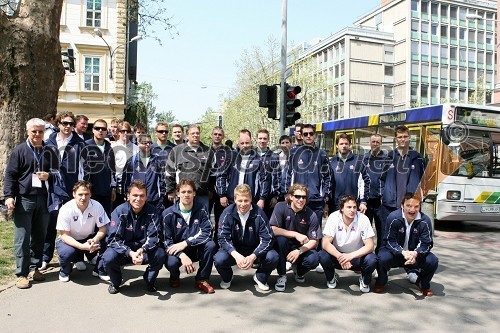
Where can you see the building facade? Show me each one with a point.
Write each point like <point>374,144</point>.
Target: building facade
<point>407,53</point>
<point>98,86</point>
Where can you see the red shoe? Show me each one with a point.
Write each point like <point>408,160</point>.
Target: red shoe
<point>203,285</point>
<point>427,292</point>
<point>174,283</point>
<point>378,289</point>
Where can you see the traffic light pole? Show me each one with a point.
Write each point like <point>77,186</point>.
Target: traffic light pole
<point>283,65</point>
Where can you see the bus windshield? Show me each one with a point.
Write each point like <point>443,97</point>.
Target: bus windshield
<point>475,152</point>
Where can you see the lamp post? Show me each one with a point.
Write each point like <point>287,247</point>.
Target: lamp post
<point>112,51</point>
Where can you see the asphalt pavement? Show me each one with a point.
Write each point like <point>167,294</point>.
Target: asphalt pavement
<point>466,298</point>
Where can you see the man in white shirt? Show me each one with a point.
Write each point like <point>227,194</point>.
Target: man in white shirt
<point>348,244</point>
<point>76,223</point>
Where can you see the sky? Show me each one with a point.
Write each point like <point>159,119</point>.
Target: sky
<point>192,71</point>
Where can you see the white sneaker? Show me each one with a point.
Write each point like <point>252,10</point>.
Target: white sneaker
<point>101,276</point>
<point>412,277</point>
<point>93,261</point>
<point>44,266</point>
<point>63,278</point>
<point>319,269</point>
<point>298,278</point>
<point>281,283</point>
<point>288,266</point>
<point>332,284</point>
<point>80,266</point>
<point>225,285</point>
<point>362,286</point>
<point>260,285</point>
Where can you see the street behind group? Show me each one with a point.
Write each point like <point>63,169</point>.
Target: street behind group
<point>123,197</point>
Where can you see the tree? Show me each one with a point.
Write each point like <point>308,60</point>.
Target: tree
<point>166,117</point>
<point>31,69</point>
<point>140,108</point>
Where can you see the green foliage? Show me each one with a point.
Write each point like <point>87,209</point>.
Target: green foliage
<point>166,117</point>
<point>140,108</point>
<point>7,260</point>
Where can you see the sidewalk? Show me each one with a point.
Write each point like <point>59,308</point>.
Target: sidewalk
<point>466,298</point>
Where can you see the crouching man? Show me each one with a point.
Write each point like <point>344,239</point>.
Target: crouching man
<point>133,239</point>
<point>409,244</point>
<point>348,244</point>
<point>77,221</point>
<point>186,232</point>
<point>245,237</point>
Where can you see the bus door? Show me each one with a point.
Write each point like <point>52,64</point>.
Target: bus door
<point>416,139</point>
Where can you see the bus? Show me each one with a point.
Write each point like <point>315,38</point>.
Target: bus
<point>460,143</point>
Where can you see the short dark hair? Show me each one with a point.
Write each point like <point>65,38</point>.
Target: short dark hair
<point>100,121</point>
<point>310,126</point>
<point>342,136</point>
<point>401,129</point>
<point>81,116</point>
<point>139,127</point>
<point>65,114</point>
<point>409,196</point>
<point>186,181</point>
<point>345,198</point>
<point>138,184</point>
<point>284,137</point>
<point>82,183</point>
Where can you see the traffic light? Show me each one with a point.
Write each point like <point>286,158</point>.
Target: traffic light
<point>267,99</point>
<point>219,120</point>
<point>291,102</point>
<point>68,59</point>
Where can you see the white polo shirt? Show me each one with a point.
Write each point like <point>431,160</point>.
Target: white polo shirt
<point>81,225</point>
<point>348,239</point>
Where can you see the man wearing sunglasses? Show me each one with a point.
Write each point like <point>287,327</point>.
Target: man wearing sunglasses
<point>124,150</point>
<point>147,168</point>
<point>71,158</point>
<point>31,165</point>
<point>295,227</point>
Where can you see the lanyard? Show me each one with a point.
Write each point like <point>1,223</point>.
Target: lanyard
<point>38,157</point>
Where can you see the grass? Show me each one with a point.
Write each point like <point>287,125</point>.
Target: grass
<point>7,259</point>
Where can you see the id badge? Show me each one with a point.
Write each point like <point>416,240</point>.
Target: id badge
<point>35,181</point>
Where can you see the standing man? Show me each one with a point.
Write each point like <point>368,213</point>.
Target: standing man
<point>147,168</point>
<point>405,170</point>
<point>162,146</point>
<point>29,169</point>
<point>347,177</point>
<point>221,161</point>
<point>245,237</point>
<point>186,232</point>
<point>409,244</point>
<point>177,134</point>
<point>71,161</point>
<point>271,166</point>
<point>245,167</point>
<point>77,221</point>
<point>139,129</point>
<point>100,166</point>
<point>113,134</point>
<point>133,239</point>
<point>295,227</point>
<point>348,244</point>
<point>82,123</point>
<point>192,160</point>
<point>123,150</point>
<point>297,132</point>
<point>285,145</point>
<point>373,166</point>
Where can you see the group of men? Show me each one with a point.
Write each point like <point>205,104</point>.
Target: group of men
<point>152,201</point>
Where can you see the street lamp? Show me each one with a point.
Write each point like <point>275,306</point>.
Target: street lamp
<point>98,33</point>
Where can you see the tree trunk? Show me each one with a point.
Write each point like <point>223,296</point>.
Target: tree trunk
<point>31,70</point>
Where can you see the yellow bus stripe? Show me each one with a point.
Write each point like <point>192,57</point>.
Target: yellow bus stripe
<point>373,120</point>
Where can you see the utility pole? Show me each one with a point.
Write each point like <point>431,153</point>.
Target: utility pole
<point>283,64</point>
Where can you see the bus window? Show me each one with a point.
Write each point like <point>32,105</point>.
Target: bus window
<point>361,143</point>
<point>475,152</point>
<point>495,158</point>
<point>388,142</point>
<point>415,134</point>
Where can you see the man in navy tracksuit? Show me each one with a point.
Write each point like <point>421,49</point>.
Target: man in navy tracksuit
<point>374,163</point>
<point>187,230</point>
<point>308,165</point>
<point>272,167</point>
<point>403,174</point>
<point>408,245</point>
<point>133,238</point>
<point>246,167</point>
<point>347,176</point>
<point>162,147</point>
<point>100,166</point>
<point>70,148</point>
<point>245,238</point>
<point>147,168</point>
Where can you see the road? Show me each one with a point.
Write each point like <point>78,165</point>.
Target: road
<point>466,298</point>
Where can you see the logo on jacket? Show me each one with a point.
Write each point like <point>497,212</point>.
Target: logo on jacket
<point>100,219</point>
<point>250,229</point>
<point>351,167</point>
<point>415,231</point>
<point>112,223</point>
<point>288,218</point>
<point>402,230</point>
<point>301,162</point>
<point>75,218</point>
<point>89,216</point>
<point>362,234</point>
<point>196,221</point>
<point>340,228</point>
<point>412,167</point>
<point>302,221</point>
<point>142,227</point>
<point>178,226</point>
<point>313,234</point>
<point>130,228</point>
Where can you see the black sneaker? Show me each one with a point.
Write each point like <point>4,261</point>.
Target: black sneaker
<point>151,288</point>
<point>113,290</point>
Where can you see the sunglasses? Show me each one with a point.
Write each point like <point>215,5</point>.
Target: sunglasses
<point>307,133</point>
<point>37,132</point>
<point>146,142</point>
<point>298,197</point>
<point>162,132</point>
<point>104,129</point>
<point>67,123</point>
<point>125,131</point>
